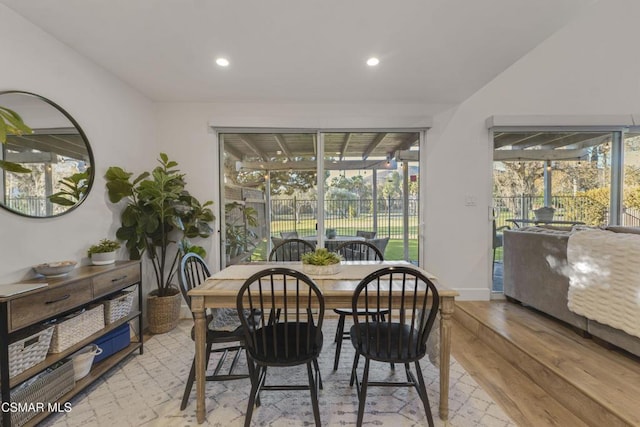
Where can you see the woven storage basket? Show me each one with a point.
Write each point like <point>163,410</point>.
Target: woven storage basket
<point>163,313</point>
<point>74,328</point>
<point>29,350</point>
<point>47,387</point>
<point>118,306</point>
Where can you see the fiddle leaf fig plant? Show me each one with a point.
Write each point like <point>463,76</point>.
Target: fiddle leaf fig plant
<point>160,213</point>
<point>74,188</point>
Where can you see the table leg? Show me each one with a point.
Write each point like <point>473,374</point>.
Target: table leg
<point>197,307</point>
<point>447,305</point>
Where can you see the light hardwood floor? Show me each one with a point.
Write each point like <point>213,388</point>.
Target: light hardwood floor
<point>542,372</point>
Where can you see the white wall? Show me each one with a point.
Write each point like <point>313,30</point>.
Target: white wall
<point>588,67</point>
<point>117,120</point>
<point>184,133</point>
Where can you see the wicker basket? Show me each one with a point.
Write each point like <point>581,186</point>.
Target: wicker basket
<point>163,313</point>
<point>47,387</point>
<point>29,349</point>
<point>118,306</point>
<point>74,328</point>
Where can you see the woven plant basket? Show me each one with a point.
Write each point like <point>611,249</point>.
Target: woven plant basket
<point>163,313</point>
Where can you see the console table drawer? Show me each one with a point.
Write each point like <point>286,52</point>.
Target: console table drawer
<point>43,305</point>
<point>115,280</point>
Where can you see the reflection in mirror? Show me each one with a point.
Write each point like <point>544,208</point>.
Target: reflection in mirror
<point>57,154</point>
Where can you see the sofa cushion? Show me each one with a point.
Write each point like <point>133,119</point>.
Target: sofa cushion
<point>622,229</point>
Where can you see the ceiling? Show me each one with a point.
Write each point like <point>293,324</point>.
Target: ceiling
<point>432,52</point>
<point>346,150</point>
<point>546,145</point>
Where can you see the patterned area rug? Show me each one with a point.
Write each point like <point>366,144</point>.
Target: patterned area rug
<point>146,390</point>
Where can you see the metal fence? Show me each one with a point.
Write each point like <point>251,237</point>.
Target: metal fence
<point>30,206</point>
<point>346,216</point>
<point>567,208</point>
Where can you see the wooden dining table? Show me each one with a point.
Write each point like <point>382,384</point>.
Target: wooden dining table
<point>221,289</point>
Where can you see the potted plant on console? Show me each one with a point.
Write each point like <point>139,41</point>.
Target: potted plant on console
<point>103,253</point>
<point>159,219</point>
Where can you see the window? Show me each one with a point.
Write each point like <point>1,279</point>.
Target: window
<point>368,182</point>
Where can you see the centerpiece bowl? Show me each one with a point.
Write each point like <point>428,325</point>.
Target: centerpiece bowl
<point>55,269</point>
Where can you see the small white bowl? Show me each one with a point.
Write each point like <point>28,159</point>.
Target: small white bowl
<point>55,269</point>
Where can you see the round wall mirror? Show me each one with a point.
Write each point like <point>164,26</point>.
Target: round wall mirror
<point>55,157</point>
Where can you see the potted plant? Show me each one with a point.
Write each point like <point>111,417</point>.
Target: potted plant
<point>239,237</point>
<point>104,252</point>
<point>159,219</point>
<point>321,262</point>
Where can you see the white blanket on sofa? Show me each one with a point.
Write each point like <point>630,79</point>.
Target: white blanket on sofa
<point>604,278</point>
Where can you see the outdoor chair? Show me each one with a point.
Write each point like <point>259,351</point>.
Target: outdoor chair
<point>380,243</point>
<point>290,250</point>
<point>401,339</point>
<point>355,251</point>
<point>193,271</point>
<point>288,331</point>
<point>366,234</point>
<point>289,234</point>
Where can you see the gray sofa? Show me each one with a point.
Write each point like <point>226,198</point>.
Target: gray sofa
<point>535,274</point>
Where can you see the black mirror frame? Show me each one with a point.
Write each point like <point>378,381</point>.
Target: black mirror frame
<point>84,138</point>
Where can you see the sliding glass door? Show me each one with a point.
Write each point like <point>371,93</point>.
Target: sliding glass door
<point>566,172</point>
<point>323,187</point>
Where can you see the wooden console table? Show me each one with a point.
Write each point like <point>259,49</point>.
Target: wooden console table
<point>63,295</point>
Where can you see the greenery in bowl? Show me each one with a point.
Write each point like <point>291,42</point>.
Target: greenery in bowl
<point>105,245</point>
<point>321,256</point>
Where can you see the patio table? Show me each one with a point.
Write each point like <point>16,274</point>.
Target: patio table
<point>518,222</point>
<point>220,291</point>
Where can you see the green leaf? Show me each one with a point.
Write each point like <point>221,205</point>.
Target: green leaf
<point>140,177</point>
<point>13,167</point>
<point>59,199</point>
<point>13,121</point>
<point>3,131</point>
<point>118,190</point>
<point>199,250</point>
<point>117,173</point>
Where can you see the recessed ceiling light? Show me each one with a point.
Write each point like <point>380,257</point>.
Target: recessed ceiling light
<point>223,62</point>
<point>373,61</point>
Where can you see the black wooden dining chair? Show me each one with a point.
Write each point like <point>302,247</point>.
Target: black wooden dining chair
<point>291,338</point>
<point>290,250</point>
<point>355,251</point>
<point>193,271</point>
<point>401,339</point>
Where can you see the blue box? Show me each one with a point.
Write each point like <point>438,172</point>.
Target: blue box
<point>113,342</point>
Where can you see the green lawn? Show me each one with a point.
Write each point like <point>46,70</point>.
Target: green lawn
<point>395,250</point>
<point>347,226</point>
